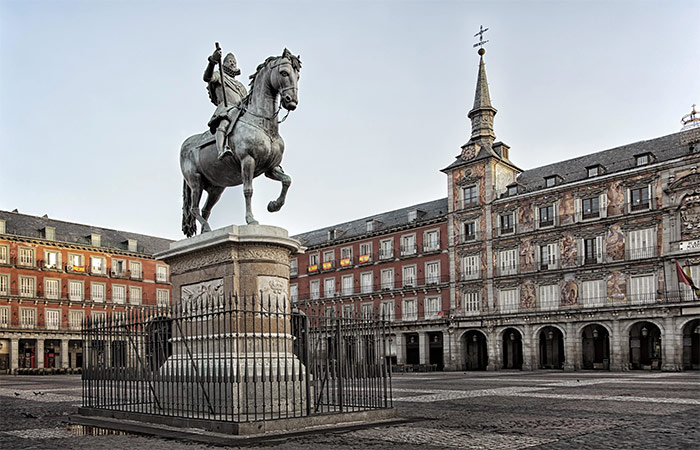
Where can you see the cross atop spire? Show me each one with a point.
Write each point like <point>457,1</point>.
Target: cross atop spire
<point>482,112</point>
<point>481,42</point>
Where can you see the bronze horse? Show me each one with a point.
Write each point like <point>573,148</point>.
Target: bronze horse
<point>255,141</point>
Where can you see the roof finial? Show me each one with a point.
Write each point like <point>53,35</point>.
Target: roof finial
<point>481,42</point>
<point>691,120</point>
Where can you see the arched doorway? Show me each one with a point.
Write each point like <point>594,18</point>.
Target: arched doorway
<point>512,349</point>
<point>477,356</point>
<point>595,346</point>
<point>691,345</point>
<point>551,348</point>
<point>645,346</point>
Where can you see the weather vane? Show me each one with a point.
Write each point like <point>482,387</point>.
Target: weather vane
<point>480,34</point>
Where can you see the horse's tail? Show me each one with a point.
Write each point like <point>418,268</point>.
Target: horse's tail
<point>189,223</point>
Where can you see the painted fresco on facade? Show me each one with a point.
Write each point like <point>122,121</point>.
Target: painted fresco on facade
<point>616,285</point>
<point>568,250</point>
<point>690,216</point>
<point>527,294</point>
<point>616,199</point>
<point>525,217</point>
<point>615,243</point>
<point>569,290</point>
<point>527,256</point>
<point>566,209</point>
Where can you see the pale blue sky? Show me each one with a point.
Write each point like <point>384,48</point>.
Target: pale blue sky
<point>97,96</point>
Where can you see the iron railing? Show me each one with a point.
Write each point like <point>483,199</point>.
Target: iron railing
<point>235,360</point>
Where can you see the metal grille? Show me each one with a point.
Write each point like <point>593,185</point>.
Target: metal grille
<point>235,360</point>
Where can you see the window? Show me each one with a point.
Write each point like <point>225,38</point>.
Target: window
<point>470,267</point>
<point>365,252</point>
<point>75,320</point>
<point>95,240</point>
<point>386,249</point>
<point>4,316</point>
<point>346,284</point>
<point>508,300</point>
<point>549,297</point>
<point>550,181</point>
<point>640,244</point>
<point>162,297</point>
<point>162,274</point>
<point>387,279</point>
<point>409,276</point>
<point>75,261</point>
<point>2,227</point>
<point>549,255</point>
<point>432,273</point>
<point>470,196</point>
<point>315,289</point>
<point>26,256</point>
<point>431,241</point>
<point>593,171</point>
<point>431,308</point>
<point>135,295</point>
<point>4,283</point>
<point>469,231</point>
<point>294,293</point>
<point>52,288</point>
<point>132,245</point>
<point>99,317</point>
<point>27,286</point>
<point>97,292</point>
<point>639,198</point>
<point>590,207</point>
<point>27,317</point>
<point>135,269</point>
<point>643,289</point>
<point>592,250</point>
<point>98,265</point>
<point>52,259</point>
<point>472,303</point>
<point>507,223</point>
<point>4,254</point>
<point>688,293</point>
<point>329,287</point>
<point>119,268</point>
<point>512,190</point>
<point>346,253</point>
<point>642,160</point>
<point>369,226</point>
<point>386,310</point>
<point>52,319</point>
<point>75,290</point>
<point>293,267</point>
<point>412,215</point>
<point>329,256</point>
<point>348,311</point>
<point>593,293</point>
<point>367,310</point>
<point>331,235</point>
<point>546,216</point>
<point>408,245</point>
<point>366,282</point>
<point>508,262</point>
<point>409,309</point>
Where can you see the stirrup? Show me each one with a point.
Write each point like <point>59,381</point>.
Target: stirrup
<point>227,151</point>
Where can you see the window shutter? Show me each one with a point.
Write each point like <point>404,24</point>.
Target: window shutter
<point>577,209</point>
<point>581,251</point>
<point>537,217</point>
<point>628,201</point>
<point>649,191</point>
<point>553,256</point>
<point>555,210</point>
<point>599,249</point>
<point>603,204</point>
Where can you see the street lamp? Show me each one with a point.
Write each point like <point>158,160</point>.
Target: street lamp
<point>550,335</point>
<point>474,338</point>
<point>512,336</point>
<point>645,332</point>
<point>595,333</point>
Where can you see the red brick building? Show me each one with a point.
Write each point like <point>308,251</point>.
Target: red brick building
<point>54,274</point>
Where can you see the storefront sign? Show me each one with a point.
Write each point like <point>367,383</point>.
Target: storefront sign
<point>690,245</point>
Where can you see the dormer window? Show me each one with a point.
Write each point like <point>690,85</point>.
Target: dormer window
<point>370,226</point>
<point>95,239</point>
<point>50,233</point>
<point>512,190</point>
<point>593,171</point>
<point>643,160</point>
<point>331,235</point>
<point>2,227</point>
<point>412,215</point>
<point>550,181</point>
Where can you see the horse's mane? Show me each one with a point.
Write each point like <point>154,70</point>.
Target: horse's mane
<point>295,60</point>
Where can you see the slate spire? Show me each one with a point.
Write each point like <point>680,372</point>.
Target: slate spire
<point>482,113</point>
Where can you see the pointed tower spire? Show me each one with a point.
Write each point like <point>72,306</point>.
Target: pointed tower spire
<point>482,113</point>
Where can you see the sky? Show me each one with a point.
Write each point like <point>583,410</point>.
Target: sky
<point>96,97</point>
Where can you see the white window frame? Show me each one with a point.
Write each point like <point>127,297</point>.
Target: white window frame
<point>347,284</point>
<point>100,269</point>
<point>641,244</point>
<point>293,267</point>
<point>315,289</point>
<point>136,269</point>
<point>386,310</point>
<point>432,307</point>
<point>76,290</point>
<point>386,248</point>
<point>52,319</point>
<point>431,240</point>
<point>135,295</point>
<point>409,309</point>
<point>48,254</point>
<point>294,292</point>
<point>501,231</point>
<point>593,293</point>
<point>346,253</point>
<point>409,276</point>
<point>549,297</point>
<point>26,256</point>
<point>4,316</point>
<point>161,273</point>
<point>551,262</point>
<point>642,289</point>
<point>329,256</point>
<point>366,249</point>
<point>632,208</point>
<point>119,294</point>
<point>387,279</point>
<point>98,292</point>
<point>162,298</point>
<point>329,288</point>
<point>349,311</point>
<point>4,254</point>
<point>75,319</point>
<point>27,318</point>
<point>508,300</point>
<point>471,303</point>
<point>508,262</point>
<point>76,257</point>
<point>408,244</point>
<point>366,281</point>
<point>432,272</point>
<point>27,286</point>
<point>52,288</point>
<point>367,310</point>
<point>4,284</point>
<point>471,267</point>
<point>538,216</point>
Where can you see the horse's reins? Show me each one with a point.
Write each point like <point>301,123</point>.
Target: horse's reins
<point>246,100</point>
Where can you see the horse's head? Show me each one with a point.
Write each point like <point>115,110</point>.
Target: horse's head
<point>284,78</point>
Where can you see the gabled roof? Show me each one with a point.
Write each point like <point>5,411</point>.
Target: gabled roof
<point>383,223</point>
<point>76,233</point>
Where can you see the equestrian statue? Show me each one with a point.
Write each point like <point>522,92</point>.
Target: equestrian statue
<point>243,139</point>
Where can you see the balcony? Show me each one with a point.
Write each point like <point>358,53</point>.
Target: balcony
<point>386,253</point>
<point>470,274</point>
<point>431,247</point>
<point>328,265</point>
<point>468,238</point>
<point>640,253</point>
<point>346,262</point>
<point>506,270</point>
<point>409,250</point>
<point>365,258</point>
<point>551,263</point>
<point>387,286</point>
<point>77,297</point>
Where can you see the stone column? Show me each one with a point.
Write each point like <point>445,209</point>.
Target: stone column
<point>423,347</point>
<point>491,349</point>
<point>39,352</point>
<point>448,350</point>
<point>569,348</point>
<point>528,349</point>
<point>670,341</point>
<point>400,348</point>
<point>617,351</point>
<point>64,353</point>
<point>14,354</point>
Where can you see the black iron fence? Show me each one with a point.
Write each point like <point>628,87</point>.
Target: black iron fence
<point>235,360</point>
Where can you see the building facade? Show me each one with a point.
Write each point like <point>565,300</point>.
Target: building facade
<point>573,265</point>
<point>55,274</point>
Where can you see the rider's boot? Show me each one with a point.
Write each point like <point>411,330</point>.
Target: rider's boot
<point>221,144</point>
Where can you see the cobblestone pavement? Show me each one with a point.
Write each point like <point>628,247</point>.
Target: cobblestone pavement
<point>454,410</point>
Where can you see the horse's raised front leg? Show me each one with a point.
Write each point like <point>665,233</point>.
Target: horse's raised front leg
<point>213,196</point>
<point>278,174</point>
<point>195,182</point>
<point>247,174</point>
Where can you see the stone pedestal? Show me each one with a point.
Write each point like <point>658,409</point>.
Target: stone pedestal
<point>232,344</point>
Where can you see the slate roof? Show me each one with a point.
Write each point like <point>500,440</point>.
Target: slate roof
<point>383,223</point>
<point>617,159</point>
<point>76,233</point>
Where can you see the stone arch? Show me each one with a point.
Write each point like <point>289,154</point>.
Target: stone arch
<point>549,341</point>
<point>595,346</point>
<point>476,355</point>
<point>536,331</point>
<point>645,346</point>
<point>511,339</point>
<point>690,344</point>
<point>626,329</point>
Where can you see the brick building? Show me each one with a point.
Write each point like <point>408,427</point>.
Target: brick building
<point>54,274</point>
<point>572,265</point>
